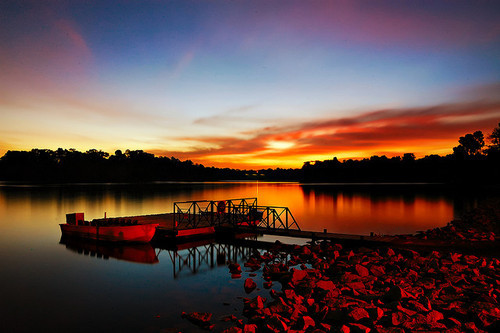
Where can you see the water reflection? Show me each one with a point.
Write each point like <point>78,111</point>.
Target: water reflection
<point>57,289</point>
<point>197,257</point>
<point>138,253</point>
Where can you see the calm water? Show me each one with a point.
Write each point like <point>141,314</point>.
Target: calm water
<point>78,287</point>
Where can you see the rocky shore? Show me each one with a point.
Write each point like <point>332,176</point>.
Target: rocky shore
<point>326,287</point>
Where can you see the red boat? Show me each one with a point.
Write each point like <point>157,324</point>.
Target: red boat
<point>112,230</point>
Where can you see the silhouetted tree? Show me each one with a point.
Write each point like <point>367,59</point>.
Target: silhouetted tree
<point>494,138</point>
<point>493,150</point>
<point>470,144</point>
<point>409,157</point>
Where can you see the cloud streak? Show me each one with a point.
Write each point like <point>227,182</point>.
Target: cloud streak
<point>423,131</point>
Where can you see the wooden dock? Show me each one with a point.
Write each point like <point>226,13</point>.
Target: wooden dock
<point>231,219</point>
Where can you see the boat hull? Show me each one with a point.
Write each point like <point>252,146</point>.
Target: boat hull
<point>134,233</point>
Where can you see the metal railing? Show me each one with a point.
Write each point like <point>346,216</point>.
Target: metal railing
<point>234,212</point>
<point>196,214</point>
<point>277,218</point>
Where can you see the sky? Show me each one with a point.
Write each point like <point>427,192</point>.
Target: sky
<point>248,84</point>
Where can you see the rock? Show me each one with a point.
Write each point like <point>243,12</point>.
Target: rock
<point>233,330</point>
<point>398,318</point>
<point>308,322</point>
<point>255,303</point>
<point>358,328</point>
<point>358,313</point>
<point>362,270</point>
<point>298,275</point>
<point>325,285</point>
<point>234,268</point>
<point>377,270</point>
<point>345,329</point>
<point>229,318</point>
<point>249,285</point>
<point>251,328</point>
<point>268,284</point>
<point>201,319</point>
<point>376,313</point>
<point>434,316</point>
<point>356,285</point>
<point>395,294</point>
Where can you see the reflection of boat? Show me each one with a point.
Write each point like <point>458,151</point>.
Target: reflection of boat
<point>139,253</point>
<point>116,230</point>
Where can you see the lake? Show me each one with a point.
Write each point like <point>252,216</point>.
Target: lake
<point>82,287</point>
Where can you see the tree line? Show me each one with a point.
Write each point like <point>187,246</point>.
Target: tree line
<point>70,165</point>
<point>472,161</point>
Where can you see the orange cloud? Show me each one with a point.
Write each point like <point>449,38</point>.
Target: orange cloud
<point>423,131</point>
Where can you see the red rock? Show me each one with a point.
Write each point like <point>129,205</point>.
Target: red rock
<point>362,270</point>
<point>407,311</point>
<point>455,257</point>
<point>336,254</point>
<point>376,313</point>
<point>434,316</point>
<point>377,270</point>
<point>298,275</point>
<point>255,303</point>
<point>233,330</point>
<point>358,313</point>
<point>201,319</point>
<point>358,328</point>
<point>326,327</point>
<point>251,328</point>
<point>382,329</point>
<point>268,284</point>
<point>235,276</point>
<point>234,268</point>
<point>418,306</point>
<point>356,285</point>
<point>345,329</point>
<point>390,252</point>
<point>276,323</point>
<point>452,322</point>
<point>229,318</point>
<point>398,318</point>
<point>250,285</point>
<point>471,327</point>
<point>325,285</point>
<point>395,294</point>
<point>308,322</point>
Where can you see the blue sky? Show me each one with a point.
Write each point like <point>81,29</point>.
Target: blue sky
<point>239,83</point>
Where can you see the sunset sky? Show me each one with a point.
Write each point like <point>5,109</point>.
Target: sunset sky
<point>248,84</point>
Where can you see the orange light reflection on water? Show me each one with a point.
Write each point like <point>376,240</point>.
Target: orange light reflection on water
<point>36,212</point>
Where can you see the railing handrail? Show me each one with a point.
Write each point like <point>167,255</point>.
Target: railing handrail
<point>233,211</point>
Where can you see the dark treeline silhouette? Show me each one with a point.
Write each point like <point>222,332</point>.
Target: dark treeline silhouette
<point>472,162</point>
<point>62,165</point>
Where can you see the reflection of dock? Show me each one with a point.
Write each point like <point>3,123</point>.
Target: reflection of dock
<point>196,257</point>
<point>139,253</point>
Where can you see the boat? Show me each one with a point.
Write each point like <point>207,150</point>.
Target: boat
<point>111,230</point>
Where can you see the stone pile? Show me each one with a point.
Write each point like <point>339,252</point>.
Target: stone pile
<point>327,288</point>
